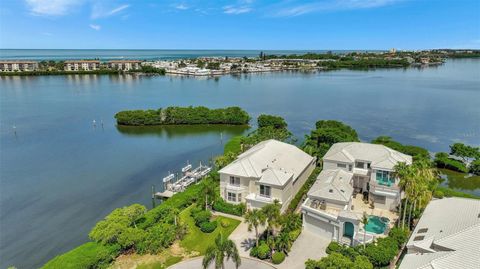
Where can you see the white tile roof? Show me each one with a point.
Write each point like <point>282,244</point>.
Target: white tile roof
<point>332,184</point>
<point>379,156</point>
<point>271,161</point>
<point>452,239</point>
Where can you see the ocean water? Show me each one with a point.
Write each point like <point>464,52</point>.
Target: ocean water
<point>59,174</point>
<point>105,55</point>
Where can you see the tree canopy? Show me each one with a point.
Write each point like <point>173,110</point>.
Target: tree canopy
<point>327,133</point>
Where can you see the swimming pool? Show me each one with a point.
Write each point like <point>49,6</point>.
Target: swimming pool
<point>376,224</point>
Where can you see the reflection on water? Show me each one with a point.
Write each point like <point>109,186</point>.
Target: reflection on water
<point>460,181</point>
<point>170,131</point>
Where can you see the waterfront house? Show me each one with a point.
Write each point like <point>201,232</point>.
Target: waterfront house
<point>271,170</point>
<point>12,66</point>
<point>124,65</point>
<point>82,65</point>
<point>447,236</point>
<point>356,178</point>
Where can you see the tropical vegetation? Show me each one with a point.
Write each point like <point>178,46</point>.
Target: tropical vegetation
<point>223,248</point>
<point>183,115</point>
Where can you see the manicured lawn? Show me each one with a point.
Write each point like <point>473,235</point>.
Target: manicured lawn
<point>196,240</point>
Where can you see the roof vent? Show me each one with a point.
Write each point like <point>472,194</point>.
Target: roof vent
<point>418,238</point>
<point>330,190</point>
<point>423,230</point>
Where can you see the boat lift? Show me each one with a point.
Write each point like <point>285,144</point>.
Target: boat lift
<point>188,178</point>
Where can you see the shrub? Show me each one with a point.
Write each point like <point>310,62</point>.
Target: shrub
<point>208,226</point>
<point>201,216</point>
<point>334,247</point>
<point>221,206</point>
<point>438,194</point>
<point>263,251</point>
<point>382,251</point>
<point>443,161</point>
<point>224,223</point>
<point>399,235</point>
<point>254,252</point>
<point>278,257</point>
<point>294,234</point>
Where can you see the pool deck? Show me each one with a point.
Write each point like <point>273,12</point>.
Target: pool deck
<point>360,207</point>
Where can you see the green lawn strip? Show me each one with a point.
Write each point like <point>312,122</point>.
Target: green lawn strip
<point>196,240</point>
<point>233,145</point>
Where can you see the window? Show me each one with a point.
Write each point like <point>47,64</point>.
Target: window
<point>359,165</point>
<point>368,165</point>
<point>341,165</point>
<point>384,178</point>
<point>350,167</point>
<point>265,191</point>
<point>232,197</point>
<point>239,197</point>
<point>235,181</point>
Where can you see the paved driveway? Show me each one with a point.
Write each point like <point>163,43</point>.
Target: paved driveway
<point>244,239</point>
<point>247,263</point>
<point>307,246</point>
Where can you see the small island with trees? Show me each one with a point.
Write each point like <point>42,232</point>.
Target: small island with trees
<point>183,116</point>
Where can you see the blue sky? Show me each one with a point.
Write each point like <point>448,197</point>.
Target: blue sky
<point>242,24</point>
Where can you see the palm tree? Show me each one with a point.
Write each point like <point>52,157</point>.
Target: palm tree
<point>291,221</point>
<point>223,248</point>
<point>208,191</point>
<point>364,222</point>
<point>404,173</point>
<point>272,213</point>
<point>255,218</point>
<point>283,242</point>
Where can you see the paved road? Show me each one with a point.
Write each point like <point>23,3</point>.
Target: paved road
<point>247,263</point>
<point>307,246</point>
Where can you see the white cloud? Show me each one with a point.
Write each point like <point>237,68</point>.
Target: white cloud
<point>332,5</point>
<point>99,11</point>
<point>234,10</point>
<point>181,6</point>
<point>95,27</point>
<point>52,7</point>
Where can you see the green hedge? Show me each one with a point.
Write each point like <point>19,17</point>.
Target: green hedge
<point>303,190</point>
<point>208,226</point>
<point>183,115</point>
<point>221,206</point>
<point>88,255</point>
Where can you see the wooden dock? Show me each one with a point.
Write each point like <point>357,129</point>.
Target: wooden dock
<point>189,177</point>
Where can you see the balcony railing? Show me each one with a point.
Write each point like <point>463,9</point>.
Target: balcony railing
<point>381,186</point>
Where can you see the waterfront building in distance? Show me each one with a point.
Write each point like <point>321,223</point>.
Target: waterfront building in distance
<point>446,236</point>
<point>356,178</point>
<point>82,65</point>
<point>18,66</point>
<point>269,171</point>
<point>124,65</point>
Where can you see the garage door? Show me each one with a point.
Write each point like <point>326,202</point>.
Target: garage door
<point>318,227</point>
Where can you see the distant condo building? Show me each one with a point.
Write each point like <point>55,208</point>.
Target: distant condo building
<point>125,65</point>
<point>12,66</point>
<point>82,65</point>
